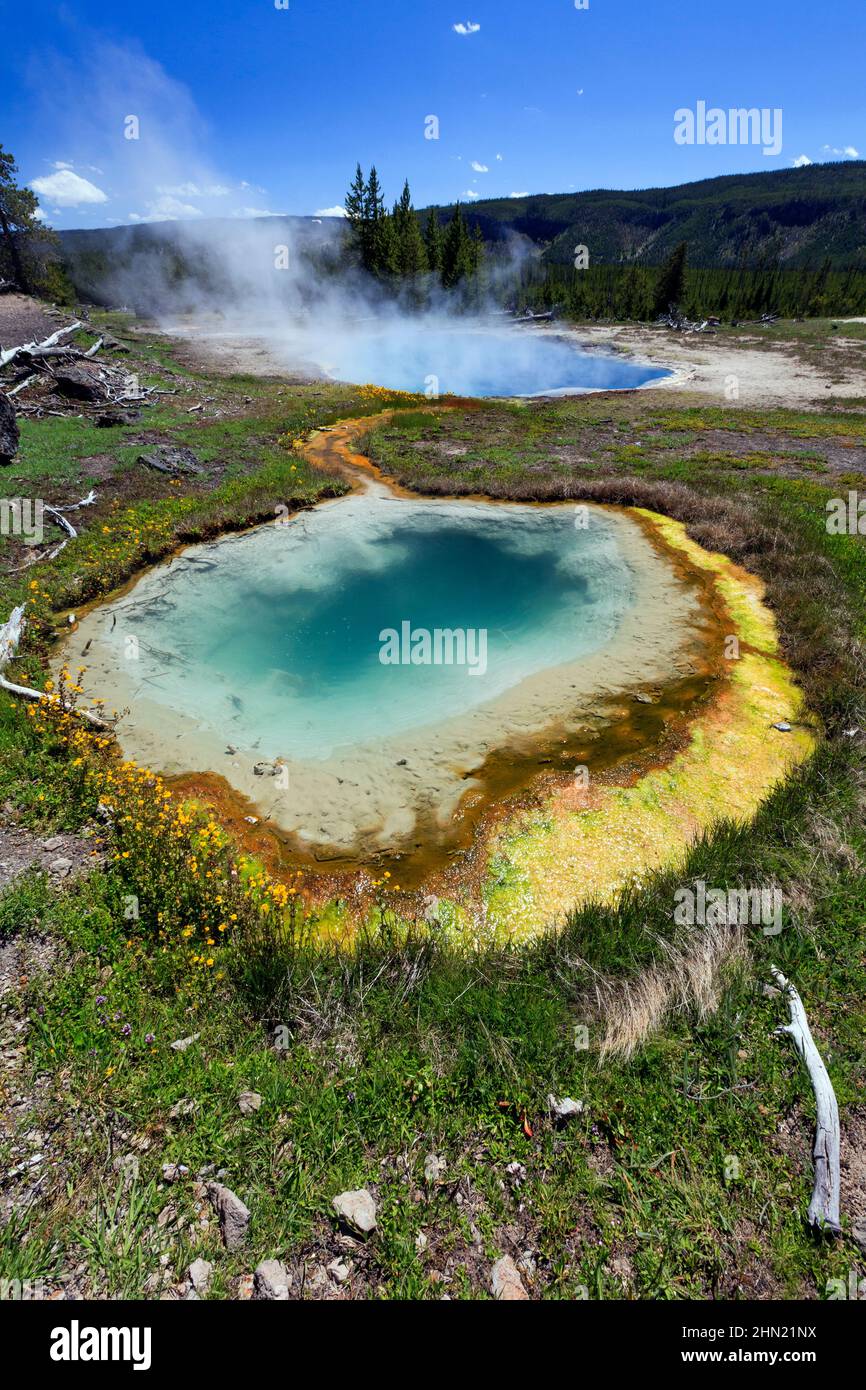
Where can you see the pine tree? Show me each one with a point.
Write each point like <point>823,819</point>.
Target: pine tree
<point>671,281</point>
<point>456,250</point>
<point>17,219</point>
<point>433,242</point>
<point>411,255</point>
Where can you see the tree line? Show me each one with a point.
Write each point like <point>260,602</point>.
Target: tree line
<point>642,292</point>
<point>393,246</point>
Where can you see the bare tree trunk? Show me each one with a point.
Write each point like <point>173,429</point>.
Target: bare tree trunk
<point>823,1214</point>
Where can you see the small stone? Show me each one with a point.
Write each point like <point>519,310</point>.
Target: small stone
<point>434,1167</point>
<point>357,1209</point>
<point>249,1102</point>
<point>60,866</point>
<point>783,727</point>
<point>234,1217</point>
<point>199,1275</point>
<point>505,1281</point>
<point>642,698</point>
<point>181,1044</point>
<point>271,1282</point>
<point>858,1233</point>
<point>340,1270</point>
<point>421,1242</point>
<point>563,1110</point>
<point>56,842</point>
<point>174,1172</point>
<point>127,1165</point>
<point>180,1108</point>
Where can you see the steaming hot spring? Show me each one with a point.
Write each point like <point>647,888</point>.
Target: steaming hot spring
<point>477,361</point>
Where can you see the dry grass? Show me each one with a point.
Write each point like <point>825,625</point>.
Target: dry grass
<point>690,976</point>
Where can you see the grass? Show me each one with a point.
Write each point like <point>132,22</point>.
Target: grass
<point>688,1172</point>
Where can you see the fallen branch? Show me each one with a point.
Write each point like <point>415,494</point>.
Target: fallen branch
<point>11,633</point>
<point>823,1214</point>
<point>36,349</point>
<point>71,533</point>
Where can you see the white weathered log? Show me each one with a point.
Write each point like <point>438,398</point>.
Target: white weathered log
<point>823,1214</point>
<point>11,633</point>
<point>21,385</point>
<point>34,349</point>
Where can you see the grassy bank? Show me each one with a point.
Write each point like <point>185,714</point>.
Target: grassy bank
<point>687,1172</point>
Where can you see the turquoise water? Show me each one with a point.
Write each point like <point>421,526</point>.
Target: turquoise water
<point>480,362</point>
<point>275,638</point>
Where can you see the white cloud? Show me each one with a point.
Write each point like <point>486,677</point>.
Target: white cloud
<point>467,28</point>
<point>257,212</point>
<point>194,190</point>
<point>471,193</point>
<point>849,151</point>
<point>61,164</point>
<point>39,215</point>
<point>68,190</point>
<point>331,212</point>
<point>166,209</point>
<point>480,168</point>
<point>801,161</point>
<point>499,157</point>
<point>524,194</point>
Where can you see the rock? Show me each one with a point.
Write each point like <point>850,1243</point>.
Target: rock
<point>249,1102</point>
<point>357,1209</point>
<point>174,1172</point>
<point>181,1044</point>
<point>8,430</point>
<point>340,1270</point>
<point>505,1281</point>
<point>181,1107</point>
<point>78,384</point>
<point>782,726</point>
<point>561,1111</point>
<point>434,1167</point>
<point>643,698</point>
<point>265,770</point>
<point>109,419</point>
<point>173,459</point>
<point>234,1217</point>
<point>60,866</point>
<point>128,1166</point>
<point>858,1233</point>
<point>199,1275</point>
<point>271,1281</point>
<point>56,842</point>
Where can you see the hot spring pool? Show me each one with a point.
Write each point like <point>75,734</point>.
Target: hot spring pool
<point>480,362</point>
<point>354,671</point>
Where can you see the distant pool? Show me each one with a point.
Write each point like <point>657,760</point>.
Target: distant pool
<point>481,362</point>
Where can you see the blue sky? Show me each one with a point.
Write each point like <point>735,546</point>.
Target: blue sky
<point>246,108</point>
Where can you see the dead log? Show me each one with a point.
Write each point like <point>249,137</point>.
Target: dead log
<point>35,349</point>
<point>11,633</point>
<point>823,1213</point>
